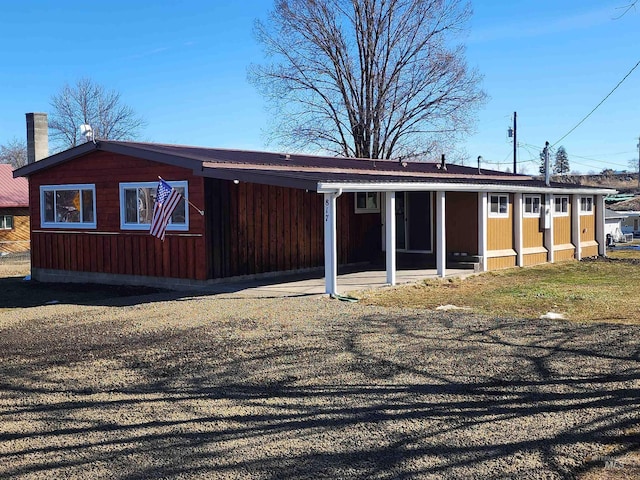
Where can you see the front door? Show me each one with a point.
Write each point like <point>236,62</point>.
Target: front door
<point>414,229</point>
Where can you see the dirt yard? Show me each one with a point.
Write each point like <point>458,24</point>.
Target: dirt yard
<point>165,386</point>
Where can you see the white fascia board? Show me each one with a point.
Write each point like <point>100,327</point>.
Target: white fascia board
<point>328,187</point>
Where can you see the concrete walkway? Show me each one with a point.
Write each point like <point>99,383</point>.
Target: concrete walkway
<point>348,282</point>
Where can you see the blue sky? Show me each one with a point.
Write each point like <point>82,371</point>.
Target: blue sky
<point>182,65</point>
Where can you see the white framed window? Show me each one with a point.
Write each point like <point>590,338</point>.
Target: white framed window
<point>68,206</point>
<point>498,205</point>
<point>586,205</point>
<point>532,205</point>
<point>137,200</point>
<point>367,202</point>
<point>6,222</point>
<point>561,206</point>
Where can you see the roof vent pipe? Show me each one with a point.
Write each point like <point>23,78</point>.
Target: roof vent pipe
<point>37,137</point>
<point>443,165</point>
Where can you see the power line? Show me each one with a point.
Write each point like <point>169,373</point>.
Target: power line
<point>596,107</point>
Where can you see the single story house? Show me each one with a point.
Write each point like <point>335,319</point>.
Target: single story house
<point>266,213</point>
<point>630,208</point>
<point>14,212</point>
<point>613,225</point>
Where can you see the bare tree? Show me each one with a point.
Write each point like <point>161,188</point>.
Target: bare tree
<point>87,102</point>
<point>14,152</point>
<point>368,78</point>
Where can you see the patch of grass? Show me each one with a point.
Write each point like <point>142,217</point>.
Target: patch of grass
<point>589,291</point>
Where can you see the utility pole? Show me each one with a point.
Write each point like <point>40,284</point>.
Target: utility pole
<point>638,162</point>
<point>515,142</point>
<point>547,169</point>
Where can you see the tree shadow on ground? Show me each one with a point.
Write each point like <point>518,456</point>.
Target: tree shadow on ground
<point>425,396</point>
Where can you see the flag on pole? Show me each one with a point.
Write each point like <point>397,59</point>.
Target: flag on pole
<point>167,199</point>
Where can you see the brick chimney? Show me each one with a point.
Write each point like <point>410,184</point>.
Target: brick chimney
<point>37,137</point>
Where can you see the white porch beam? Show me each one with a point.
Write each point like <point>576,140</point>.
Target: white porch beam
<point>441,236</point>
<point>390,236</point>
<point>330,244</point>
<point>483,208</point>
<point>517,229</point>
<point>600,222</point>
<point>575,226</point>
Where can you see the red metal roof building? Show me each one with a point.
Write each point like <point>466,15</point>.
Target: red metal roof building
<point>14,212</point>
<point>266,213</point>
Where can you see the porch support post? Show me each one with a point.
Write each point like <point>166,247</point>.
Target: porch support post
<point>517,229</point>
<point>548,223</point>
<point>330,244</point>
<point>483,206</point>
<point>600,221</point>
<point>390,236</point>
<point>441,236</point>
<point>575,225</point>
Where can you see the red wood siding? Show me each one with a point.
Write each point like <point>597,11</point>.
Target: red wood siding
<point>107,248</point>
<point>260,228</point>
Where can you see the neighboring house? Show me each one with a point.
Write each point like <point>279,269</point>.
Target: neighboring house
<point>613,225</point>
<point>14,212</point>
<point>266,213</point>
<point>631,210</point>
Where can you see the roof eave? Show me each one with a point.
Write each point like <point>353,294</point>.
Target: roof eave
<point>248,176</point>
<point>53,160</point>
<point>330,187</point>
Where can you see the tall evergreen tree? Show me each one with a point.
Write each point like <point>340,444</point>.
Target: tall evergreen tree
<point>562,161</point>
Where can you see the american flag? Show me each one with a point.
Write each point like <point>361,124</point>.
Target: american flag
<point>167,199</point>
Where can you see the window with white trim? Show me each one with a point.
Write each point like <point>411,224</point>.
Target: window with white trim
<point>137,200</point>
<point>561,206</point>
<point>367,202</point>
<point>68,206</point>
<point>586,205</point>
<point>499,206</point>
<point>532,205</point>
<point>6,222</point>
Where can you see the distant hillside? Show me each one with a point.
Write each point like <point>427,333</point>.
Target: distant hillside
<point>624,182</point>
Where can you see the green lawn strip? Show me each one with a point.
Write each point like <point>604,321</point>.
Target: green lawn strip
<point>583,291</point>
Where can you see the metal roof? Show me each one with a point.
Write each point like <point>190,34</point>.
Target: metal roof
<point>312,172</point>
<point>14,192</point>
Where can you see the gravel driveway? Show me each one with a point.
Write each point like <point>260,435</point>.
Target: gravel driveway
<point>231,387</point>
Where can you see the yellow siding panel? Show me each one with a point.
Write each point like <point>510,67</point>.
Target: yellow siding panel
<point>563,255</point>
<point>497,263</point>
<point>534,259</point>
<point>587,228</point>
<point>500,230</point>
<point>590,251</point>
<point>561,230</point>
<point>532,234</point>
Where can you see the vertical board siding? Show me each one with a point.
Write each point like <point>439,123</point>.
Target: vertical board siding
<point>281,229</point>
<point>500,230</point>
<point>532,234</point>
<point>499,233</point>
<point>562,229</point>
<point>564,255</point>
<point>497,263</point>
<point>534,259</point>
<point>462,222</point>
<point>108,249</point>
<point>587,228</point>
